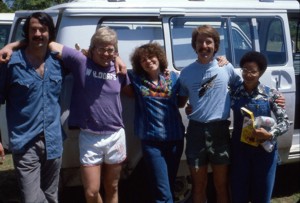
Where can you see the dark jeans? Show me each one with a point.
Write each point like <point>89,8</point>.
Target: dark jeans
<point>162,161</point>
<point>253,173</point>
<point>38,177</point>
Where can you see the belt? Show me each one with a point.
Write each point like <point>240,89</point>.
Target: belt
<point>219,122</point>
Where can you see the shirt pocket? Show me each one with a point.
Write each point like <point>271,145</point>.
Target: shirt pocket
<point>24,86</point>
<point>23,89</point>
<point>260,107</point>
<point>55,85</point>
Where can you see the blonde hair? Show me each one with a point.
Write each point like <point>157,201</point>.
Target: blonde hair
<point>104,35</point>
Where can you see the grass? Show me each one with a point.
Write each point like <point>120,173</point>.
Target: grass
<point>9,192</point>
<point>287,190</point>
<point>291,199</point>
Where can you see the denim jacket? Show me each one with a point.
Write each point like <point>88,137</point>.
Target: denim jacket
<point>32,103</point>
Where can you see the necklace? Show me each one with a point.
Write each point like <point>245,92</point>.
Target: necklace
<point>162,89</point>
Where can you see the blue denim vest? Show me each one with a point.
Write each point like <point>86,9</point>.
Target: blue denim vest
<point>259,106</point>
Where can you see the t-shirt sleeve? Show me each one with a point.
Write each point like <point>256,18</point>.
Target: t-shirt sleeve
<point>235,79</point>
<point>183,91</point>
<point>72,58</point>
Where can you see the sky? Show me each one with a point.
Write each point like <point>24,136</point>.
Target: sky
<point>9,3</point>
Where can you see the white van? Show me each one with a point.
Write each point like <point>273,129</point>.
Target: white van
<point>244,25</point>
<point>6,20</point>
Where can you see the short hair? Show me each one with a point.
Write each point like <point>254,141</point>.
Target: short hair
<point>209,31</point>
<point>104,35</point>
<point>45,20</point>
<point>256,57</point>
<point>149,50</point>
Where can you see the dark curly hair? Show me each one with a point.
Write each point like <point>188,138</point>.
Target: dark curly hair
<point>149,50</point>
<point>256,57</point>
<point>45,20</point>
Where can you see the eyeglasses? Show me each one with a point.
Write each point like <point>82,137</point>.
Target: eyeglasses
<point>102,50</point>
<point>252,73</point>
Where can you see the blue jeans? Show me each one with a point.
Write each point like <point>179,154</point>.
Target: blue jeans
<point>253,173</point>
<point>38,177</point>
<point>162,161</point>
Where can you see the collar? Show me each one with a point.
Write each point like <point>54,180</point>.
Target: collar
<point>212,63</point>
<point>18,57</point>
<point>259,90</point>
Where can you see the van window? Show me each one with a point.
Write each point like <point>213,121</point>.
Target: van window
<point>238,35</point>
<point>18,30</point>
<point>275,43</point>
<point>132,34</point>
<point>294,23</point>
<point>275,37</point>
<point>181,32</point>
<point>4,34</point>
<point>242,38</point>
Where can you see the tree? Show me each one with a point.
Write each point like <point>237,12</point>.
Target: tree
<point>35,4</point>
<point>3,8</point>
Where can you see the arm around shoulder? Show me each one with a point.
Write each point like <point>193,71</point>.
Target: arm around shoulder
<point>120,65</point>
<point>56,47</point>
<point>7,50</point>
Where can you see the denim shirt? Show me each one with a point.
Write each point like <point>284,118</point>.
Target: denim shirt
<point>157,117</point>
<point>32,105</point>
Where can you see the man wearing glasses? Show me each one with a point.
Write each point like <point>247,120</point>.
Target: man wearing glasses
<point>97,111</point>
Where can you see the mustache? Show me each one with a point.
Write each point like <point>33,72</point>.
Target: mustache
<point>37,38</point>
<point>203,49</point>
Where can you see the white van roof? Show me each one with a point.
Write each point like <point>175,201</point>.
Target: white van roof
<point>6,18</point>
<point>180,4</point>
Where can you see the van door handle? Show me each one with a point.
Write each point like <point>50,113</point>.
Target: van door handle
<point>277,83</point>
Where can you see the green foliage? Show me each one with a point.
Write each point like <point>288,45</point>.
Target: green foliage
<point>29,5</point>
<point>3,8</point>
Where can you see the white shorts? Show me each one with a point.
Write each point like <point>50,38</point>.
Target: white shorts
<point>96,149</point>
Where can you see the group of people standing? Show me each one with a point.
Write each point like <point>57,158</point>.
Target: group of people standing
<point>31,82</point>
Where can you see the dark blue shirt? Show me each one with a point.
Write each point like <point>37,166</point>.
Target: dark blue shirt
<point>32,105</point>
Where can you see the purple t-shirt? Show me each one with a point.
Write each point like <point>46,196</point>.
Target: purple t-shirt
<point>95,103</point>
